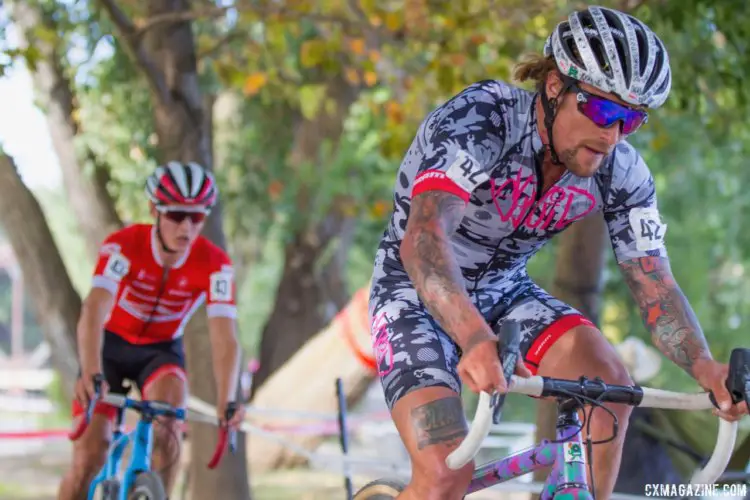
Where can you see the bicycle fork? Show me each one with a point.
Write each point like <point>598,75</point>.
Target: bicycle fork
<point>120,440</point>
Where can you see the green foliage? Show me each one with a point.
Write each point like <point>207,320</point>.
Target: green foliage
<point>117,124</point>
<point>281,63</point>
<point>708,43</point>
<point>700,183</point>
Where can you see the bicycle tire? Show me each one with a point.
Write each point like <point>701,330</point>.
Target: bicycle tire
<point>147,486</point>
<point>109,489</point>
<point>380,489</point>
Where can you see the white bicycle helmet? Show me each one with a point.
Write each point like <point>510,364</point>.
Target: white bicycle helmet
<point>614,52</point>
<point>186,184</point>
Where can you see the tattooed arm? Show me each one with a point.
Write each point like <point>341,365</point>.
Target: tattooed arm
<point>428,258</point>
<point>666,311</point>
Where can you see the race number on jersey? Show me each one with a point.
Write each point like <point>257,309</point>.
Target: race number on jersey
<point>466,171</point>
<point>117,267</point>
<point>648,228</point>
<point>221,286</point>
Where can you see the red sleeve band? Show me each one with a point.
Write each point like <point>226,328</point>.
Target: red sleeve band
<point>437,180</point>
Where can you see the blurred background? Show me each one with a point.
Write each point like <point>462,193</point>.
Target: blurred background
<point>304,108</point>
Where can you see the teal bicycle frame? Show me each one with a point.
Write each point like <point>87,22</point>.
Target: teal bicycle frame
<point>141,437</point>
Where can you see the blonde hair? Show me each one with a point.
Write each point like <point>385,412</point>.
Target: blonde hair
<point>535,67</point>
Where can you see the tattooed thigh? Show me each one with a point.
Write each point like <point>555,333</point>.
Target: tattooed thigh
<point>440,422</point>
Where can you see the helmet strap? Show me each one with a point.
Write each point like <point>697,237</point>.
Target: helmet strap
<point>550,107</point>
<point>159,236</point>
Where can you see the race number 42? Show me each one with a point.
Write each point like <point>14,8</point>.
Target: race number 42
<point>648,228</point>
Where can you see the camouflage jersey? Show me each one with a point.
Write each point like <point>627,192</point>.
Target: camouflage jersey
<point>483,145</point>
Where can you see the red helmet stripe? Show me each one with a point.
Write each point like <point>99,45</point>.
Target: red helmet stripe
<point>167,184</point>
<point>174,183</point>
<point>206,193</point>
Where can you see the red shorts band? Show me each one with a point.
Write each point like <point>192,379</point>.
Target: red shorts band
<point>162,371</point>
<point>549,336</point>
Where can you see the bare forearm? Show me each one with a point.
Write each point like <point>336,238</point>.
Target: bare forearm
<point>666,312</point>
<point>436,276</point>
<point>226,368</point>
<point>89,334</point>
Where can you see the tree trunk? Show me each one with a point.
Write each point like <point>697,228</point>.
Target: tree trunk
<point>182,130</point>
<point>579,272</point>
<point>307,300</point>
<point>315,380</point>
<point>56,302</point>
<point>87,192</point>
<point>166,56</point>
<point>579,280</point>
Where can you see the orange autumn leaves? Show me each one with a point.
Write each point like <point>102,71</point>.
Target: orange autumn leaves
<point>315,53</point>
<point>254,82</point>
<point>365,75</point>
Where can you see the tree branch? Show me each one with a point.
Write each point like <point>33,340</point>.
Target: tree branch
<point>138,29</point>
<point>127,32</point>
<point>286,16</point>
<point>221,42</point>
<point>181,16</point>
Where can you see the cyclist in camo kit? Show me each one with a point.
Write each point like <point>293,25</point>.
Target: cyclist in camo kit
<point>491,176</point>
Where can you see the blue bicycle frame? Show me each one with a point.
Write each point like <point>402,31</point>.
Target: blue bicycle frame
<point>142,436</point>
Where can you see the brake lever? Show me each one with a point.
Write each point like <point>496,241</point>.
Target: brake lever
<point>738,380</point>
<point>508,347</point>
<point>228,415</point>
<point>97,380</point>
<point>227,436</point>
<point>76,433</point>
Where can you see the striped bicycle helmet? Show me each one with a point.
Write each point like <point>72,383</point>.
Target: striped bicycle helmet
<point>184,184</point>
<point>614,52</point>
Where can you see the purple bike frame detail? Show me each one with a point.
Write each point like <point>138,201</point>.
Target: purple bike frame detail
<point>567,481</point>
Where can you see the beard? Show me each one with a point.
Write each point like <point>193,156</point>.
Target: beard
<point>569,158</point>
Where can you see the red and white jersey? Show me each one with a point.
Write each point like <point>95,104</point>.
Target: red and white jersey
<point>154,303</point>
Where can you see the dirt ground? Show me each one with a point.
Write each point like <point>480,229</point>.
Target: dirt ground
<point>36,476</point>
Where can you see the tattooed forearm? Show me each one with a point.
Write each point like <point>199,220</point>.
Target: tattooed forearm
<point>666,312</point>
<point>439,422</point>
<point>429,261</point>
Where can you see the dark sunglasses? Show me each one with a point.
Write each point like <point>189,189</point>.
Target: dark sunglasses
<point>604,112</point>
<point>177,216</point>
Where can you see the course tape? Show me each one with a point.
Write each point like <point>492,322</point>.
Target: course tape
<point>358,308</point>
<point>40,434</point>
<point>327,424</point>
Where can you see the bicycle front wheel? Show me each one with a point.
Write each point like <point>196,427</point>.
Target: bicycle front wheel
<point>109,489</point>
<point>147,486</point>
<point>380,489</point>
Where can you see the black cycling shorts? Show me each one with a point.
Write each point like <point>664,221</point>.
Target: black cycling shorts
<point>142,364</point>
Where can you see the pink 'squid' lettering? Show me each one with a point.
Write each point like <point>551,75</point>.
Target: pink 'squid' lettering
<point>552,210</point>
